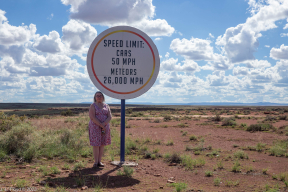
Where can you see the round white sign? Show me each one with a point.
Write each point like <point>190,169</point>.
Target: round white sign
<point>123,62</point>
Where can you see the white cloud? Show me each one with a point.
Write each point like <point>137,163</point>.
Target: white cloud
<point>281,53</point>
<point>157,39</point>
<point>51,16</point>
<point>172,64</point>
<point>218,78</point>
<point>286,26</point>
<point>158,27</point>
<point>49,44</point>
<point>12,35</point>
<point>240,71</point>
<point>257,64</point>
<point>210,35</point>
<point>194,49</point>
<point>14,51</point>
<point>167,54</point>
<point>284,34</point>
<point>282,69</point>
<point>78,35</point>
<point>267,46</point>
<point>125,12</point>
<point>240,42</point>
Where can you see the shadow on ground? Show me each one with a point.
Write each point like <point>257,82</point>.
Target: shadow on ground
<point>89,177</point>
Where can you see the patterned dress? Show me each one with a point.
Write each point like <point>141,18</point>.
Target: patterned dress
<point>95,136</point>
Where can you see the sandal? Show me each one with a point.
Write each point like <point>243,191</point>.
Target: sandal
<point>101,164</point>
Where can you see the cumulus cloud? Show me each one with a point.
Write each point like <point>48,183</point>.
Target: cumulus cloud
<point>263,75</point>
<point>77,34</point>
<point>240,71</point>
<point>12,35</point>
<point>172,64</point>
<point>14,51</point>
<point>257,64</point>
<point>284,34</point>
<point>158,27</point>
<point>281,53</point>
<point>49,44</point>
<point>286,26</point>
<point>282,69</point>
<point>194,49</point>
<point>240,42</point>
<point>125,12</point>
<point>218,78</point>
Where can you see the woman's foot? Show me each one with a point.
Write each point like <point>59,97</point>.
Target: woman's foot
<point>101,164</point>
<point>95,165</point>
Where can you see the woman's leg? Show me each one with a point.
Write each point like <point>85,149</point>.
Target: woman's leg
<point>96,154</point>
<point>101,150</point>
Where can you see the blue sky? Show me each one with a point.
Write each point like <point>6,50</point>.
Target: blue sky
<point>211,51</point>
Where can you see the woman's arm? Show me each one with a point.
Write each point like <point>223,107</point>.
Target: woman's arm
<point>109,116</point>
<point>92,116</point>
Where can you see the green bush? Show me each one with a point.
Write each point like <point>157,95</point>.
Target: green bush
<point>229,122</point>
<point>7,122</point>
<point>174,158</point>
<point>179,186</point>
<point>260,127</point>
<point>241,155</point>
<point>137,114</point>
<point>67,113</point>
<point>167,118</point>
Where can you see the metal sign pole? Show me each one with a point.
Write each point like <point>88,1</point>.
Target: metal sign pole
<point>122,147</point>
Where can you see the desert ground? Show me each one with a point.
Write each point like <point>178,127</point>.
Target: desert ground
<point>177,148</point>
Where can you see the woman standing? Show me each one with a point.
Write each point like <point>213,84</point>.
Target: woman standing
<point>99,129</point>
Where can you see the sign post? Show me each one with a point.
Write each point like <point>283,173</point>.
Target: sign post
<point>123,63</point>
<point>122,147</point>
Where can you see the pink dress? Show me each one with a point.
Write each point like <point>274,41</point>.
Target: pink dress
<point>95,136</point>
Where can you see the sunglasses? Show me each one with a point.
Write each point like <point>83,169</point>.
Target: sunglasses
<point>98,95</point>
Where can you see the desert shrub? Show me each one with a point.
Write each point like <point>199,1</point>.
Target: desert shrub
<point>229,122</point>
<point>137,114</point>
<point>193,138</point>
<point>217,181</point>
<point>7,122</point>
<point>128,111</point>
<point>241,155</point>
<point>167,118</point>
<point>282,117</point>
<point>269,118</point>
<point>260,127</point>
<point>260,147</point>
<point>67,113</point>
<point>216,118</point>
<point>156,121</point>
<point>170,142</point>
<point>236,167</point>
<point>182,125</point>
<point>174,158</point>
<point>130,146</point>
<point>117,122</point>
<point>17,139</point>
<point>179,186</point>
<point>208,173</point>
<point>279,148</point>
